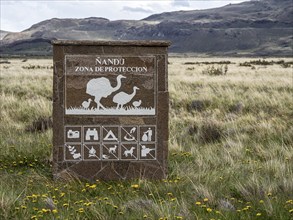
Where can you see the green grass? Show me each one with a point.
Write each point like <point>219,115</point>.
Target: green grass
<point>230,149</point>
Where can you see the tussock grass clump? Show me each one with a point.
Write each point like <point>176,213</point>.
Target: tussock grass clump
<point>208,132</point>
<point>5,62</point>
<point>237,108</point>
<point>198,105</point>
<point>215,71</point>
<point>40,125</point>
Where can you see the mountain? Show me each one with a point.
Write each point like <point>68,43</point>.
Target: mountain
<point>262,27</point>
<point>3,34</point>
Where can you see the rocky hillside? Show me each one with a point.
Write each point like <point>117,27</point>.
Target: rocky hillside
<point>3,34</point>
<point>257,28</point>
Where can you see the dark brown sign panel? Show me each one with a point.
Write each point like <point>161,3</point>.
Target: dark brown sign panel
<point>110,110</point>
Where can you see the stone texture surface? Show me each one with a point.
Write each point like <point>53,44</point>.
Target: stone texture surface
<point>78,157</point>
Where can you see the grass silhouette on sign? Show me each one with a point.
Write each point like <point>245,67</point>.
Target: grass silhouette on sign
<point>111,111</point>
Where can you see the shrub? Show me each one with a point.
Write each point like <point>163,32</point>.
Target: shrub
<point>216,71</point>
<point>208,132</point>
<point>245,64</point>
<point>198,105</point>
<point>209,63</point>
<point>36,67</point>
<point>41,124</point>
<point>285,65</point>
<point>265,63</point>
<point>5,62</point>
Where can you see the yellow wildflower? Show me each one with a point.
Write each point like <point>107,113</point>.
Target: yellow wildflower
<point>209,210</point>
<point>45,210</point>
<point>80,210</point>
<point>34,196</point>
<point>54,211</point>
<point>205,199</point>
<point>93,186</point>
<point>258,214</point>
<point>198,203</point>
<point>289,202</point>
<point>135,186</point>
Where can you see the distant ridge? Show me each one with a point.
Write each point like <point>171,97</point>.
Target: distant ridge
<point>253,28</point>
<point>3,34</point>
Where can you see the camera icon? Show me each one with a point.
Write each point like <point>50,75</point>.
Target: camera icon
<point>73,134</point>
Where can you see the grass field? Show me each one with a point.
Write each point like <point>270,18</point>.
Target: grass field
<point>231,147</point>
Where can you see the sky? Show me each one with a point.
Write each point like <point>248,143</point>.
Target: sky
<point>18,15</point>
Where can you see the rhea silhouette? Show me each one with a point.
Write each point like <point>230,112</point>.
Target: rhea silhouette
<point>136,104</point>
<point>123,98</point>
<point>86,104</point>
<point>101,88</point>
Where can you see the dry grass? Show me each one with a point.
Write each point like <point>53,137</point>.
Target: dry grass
<point>231,148</point>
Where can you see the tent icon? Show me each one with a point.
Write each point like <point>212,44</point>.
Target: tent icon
<point>110,136</point>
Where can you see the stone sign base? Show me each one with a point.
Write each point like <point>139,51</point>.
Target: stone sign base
<point>110,109</point>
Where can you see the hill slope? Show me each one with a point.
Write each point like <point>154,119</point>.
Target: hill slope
<point>3,34</point>
<point>249,28</point>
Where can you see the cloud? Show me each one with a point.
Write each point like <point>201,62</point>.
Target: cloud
<point>181,3</point>
<point>137,9</point>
